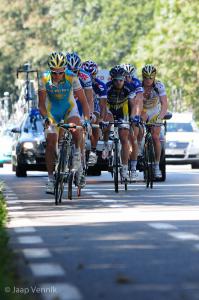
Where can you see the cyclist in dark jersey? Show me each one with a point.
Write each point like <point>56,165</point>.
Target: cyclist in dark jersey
<point>133,137</point>
<point>123,106</point>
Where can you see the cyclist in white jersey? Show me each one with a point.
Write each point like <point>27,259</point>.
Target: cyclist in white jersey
<point>154,108</point>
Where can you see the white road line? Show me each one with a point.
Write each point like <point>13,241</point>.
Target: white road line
<point>15,207</point>
<point>46,269</point>
<point>36,253</point>
<point>100,196</point>
<point>30,239</point>
<point>184,236</point>
<point>24,229</point>
<point>92,193</point>
<point>61,291</point>
<point>19,222</point>
<point>162,226</point>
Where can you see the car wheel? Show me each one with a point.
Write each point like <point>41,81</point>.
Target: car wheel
<point>195,165</point>
<point>21,171</point>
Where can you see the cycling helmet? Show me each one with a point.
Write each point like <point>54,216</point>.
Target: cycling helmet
<point>57,60</point>
<point>130,69</point>
<point>118,72</point>
<point>73,61</point>
<point>149,71</point>
<point>90,66</point>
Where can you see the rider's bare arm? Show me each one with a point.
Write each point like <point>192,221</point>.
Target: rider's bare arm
<point>83,100</point>
<point>89,96</point>
<point>139,97</point>
<point>42,102</point>
<point>164,106</point>
<point>135,106</point>
<point>103,108</point>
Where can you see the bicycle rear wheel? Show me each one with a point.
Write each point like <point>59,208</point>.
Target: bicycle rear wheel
<point>116,167</point>
<point>59,175</point>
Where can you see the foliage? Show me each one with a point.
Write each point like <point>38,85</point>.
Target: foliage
<point>110,32</point>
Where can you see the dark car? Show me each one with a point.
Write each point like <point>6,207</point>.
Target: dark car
<point>28,152</point>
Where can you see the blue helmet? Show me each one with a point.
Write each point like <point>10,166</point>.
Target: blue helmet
<point>73,61</point>
<point>90,66</point>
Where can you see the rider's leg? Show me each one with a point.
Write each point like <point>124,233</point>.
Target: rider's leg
<point>94,140</point>
<point>51,145</point>
<point>50,155</point>
<point>77,139</point>
<point>106,132</point>
<point>157,146</point>
<point>124,139</point>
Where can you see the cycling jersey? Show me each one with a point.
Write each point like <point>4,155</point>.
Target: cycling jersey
<point>100,92</point>
<point>84,79</point>
<point>60,99</point>
<point>118,100</point>
<point>153,99</point>
<point>137,85</point>
<point>86,83</point>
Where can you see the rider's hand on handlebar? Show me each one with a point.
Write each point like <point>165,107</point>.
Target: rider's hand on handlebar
<point>135,120</point>
<point>46,122</point>
<point>104,125</point>
<point>93,118</point>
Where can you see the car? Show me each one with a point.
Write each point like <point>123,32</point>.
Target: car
<point>182,142</point>
<point>28,150</point>
<point>6,137</point>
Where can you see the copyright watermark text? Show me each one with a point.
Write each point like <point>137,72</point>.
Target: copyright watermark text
<point>30,290</point>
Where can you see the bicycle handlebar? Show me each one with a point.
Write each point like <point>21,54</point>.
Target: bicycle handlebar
<point>69,126</point>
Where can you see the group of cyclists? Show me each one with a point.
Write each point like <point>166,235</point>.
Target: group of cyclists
<point>70,91</point>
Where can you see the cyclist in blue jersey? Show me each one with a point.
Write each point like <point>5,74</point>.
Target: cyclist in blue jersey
<point>100,105</point>
<point>123,105</point>
<point>133,137</point>
<point>74,64</point>
<point>56,103</point>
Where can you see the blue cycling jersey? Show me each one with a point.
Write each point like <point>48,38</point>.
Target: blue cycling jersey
<point>84,79</point>
<point>100,92</point>
<point>136,85</point>
<point>99,88</point>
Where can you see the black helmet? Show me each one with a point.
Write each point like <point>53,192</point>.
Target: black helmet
<point>118,72</point>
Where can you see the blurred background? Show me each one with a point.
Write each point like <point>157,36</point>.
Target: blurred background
<point>162,32</point>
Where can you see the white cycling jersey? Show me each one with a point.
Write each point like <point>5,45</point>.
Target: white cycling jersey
<point>152,99</point>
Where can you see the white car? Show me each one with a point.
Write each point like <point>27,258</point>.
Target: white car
<point>182,140</point>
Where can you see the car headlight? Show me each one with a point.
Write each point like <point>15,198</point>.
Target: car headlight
<point>28,145</point>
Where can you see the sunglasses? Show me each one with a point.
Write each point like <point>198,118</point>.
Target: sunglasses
<point>57,72</point>
<point>116,80</point>
<point>148,77</point>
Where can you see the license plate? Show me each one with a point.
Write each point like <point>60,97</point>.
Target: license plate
<point>175,151</point>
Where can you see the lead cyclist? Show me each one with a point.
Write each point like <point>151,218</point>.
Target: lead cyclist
<point>57,103</point>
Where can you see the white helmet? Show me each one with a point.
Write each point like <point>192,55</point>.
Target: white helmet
<point>130,69</point>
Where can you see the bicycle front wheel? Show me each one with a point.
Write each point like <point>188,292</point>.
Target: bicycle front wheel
<point>116,167</point>
<point>59,175</point>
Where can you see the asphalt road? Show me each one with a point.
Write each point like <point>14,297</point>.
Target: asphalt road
<point>141,244</point>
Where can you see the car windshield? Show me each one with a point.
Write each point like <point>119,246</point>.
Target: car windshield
<point>179,127</point>
<point>34,124</point>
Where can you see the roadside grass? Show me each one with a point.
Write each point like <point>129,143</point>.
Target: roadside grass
<point>8,273</point>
